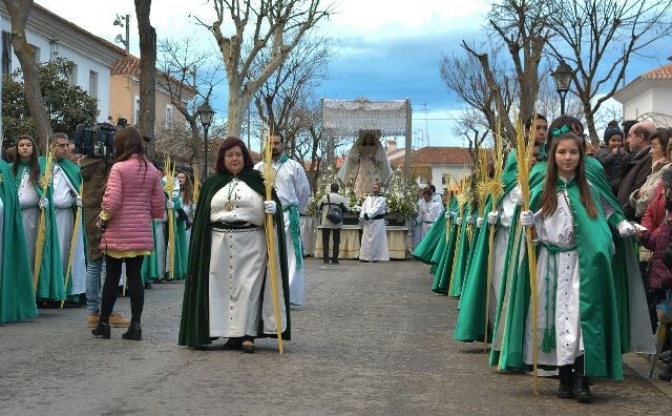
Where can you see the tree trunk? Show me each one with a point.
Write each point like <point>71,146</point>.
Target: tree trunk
<point>147,73</point>
<point>18,12</point>
<point>237,106</point>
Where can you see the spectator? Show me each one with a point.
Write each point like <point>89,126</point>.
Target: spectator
<point>638,169</point>
<point>332,199</point>
<point>611,154</point>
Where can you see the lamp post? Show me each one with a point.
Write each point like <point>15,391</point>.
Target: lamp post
<point>562,76</point>
<point>206,114</point>
<point>123,21</point>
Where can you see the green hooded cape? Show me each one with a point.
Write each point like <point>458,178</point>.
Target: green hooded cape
<point>195,324</point>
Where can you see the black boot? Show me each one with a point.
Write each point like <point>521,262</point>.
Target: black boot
<point>102,330</point>
<point>581,383</point>
<point>334,257</point>
<point>325,256</point>
<point>566,389</point>
<point>134,331</point>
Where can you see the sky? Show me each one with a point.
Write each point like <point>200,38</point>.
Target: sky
<point>385,50</point>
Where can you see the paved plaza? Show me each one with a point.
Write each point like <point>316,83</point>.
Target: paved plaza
<point>371,339</point>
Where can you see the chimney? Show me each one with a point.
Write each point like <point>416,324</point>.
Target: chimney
<point>391,145</point>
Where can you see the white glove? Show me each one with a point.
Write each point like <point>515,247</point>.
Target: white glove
<point>493,216</point>
<point>479,222</point>
<point>625,229</point>
<point>44,203</point>
<point>170,204</point>
<point>79,201</point>
<point>527,219</point>
<point>448,215</point>
<point>270,207</point>
<point>458,221</point>
<point>470,219</point>
<point>517,195</point>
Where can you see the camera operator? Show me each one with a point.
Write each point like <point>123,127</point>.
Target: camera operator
<point>95,170</point>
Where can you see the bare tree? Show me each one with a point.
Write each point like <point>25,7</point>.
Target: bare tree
<point>464,75</point>
<point>186,72</point>
<point>598,38</point>
<point>277,26</point>
<point>147,72</point>
<point>18,15</point>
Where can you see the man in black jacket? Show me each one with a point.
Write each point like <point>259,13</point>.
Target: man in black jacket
<point>638,168</point>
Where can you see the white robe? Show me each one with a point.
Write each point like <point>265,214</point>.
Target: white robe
<point>374,237</point>
<point>293,189</point>
<point>238,268</point>
<point>64,198</point>
<point>30,214</point>
<point>428,213</point>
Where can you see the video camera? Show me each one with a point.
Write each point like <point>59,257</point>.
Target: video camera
<point>97,141</point>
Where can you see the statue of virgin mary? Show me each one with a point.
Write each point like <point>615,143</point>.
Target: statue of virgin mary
<point>366,164</point>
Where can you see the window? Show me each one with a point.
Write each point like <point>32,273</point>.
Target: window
<point>136,111</point>
<point>169,116</point>
<point>72,74</point>
<point>93,84</point>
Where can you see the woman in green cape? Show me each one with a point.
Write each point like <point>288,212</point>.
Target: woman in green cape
<point>228,290</point>
<point>17,297</point>
<point>577,316</point>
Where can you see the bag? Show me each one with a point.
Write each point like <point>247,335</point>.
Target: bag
<point>334,214</point>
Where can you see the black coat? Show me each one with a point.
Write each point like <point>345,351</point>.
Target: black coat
<point>634,176</point>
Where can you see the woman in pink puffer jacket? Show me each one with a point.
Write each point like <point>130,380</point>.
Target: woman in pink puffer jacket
<point>133,197</point>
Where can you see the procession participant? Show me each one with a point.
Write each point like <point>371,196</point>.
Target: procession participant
<point>329,227</point>
<point>429,210</point>
<point>154,265</point>
<point>187,202</point>
<point>228,290</point>
<point>66,183</point>
<point>133,196</point>
<point>374,238</point>
<point>577,281</point>
<point>176,269</point>
<point>28,172</point>
<point>291,184</point>
<point>17,297</point>
<point>95,170</point>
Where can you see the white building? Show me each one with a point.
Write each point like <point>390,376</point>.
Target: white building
<point>54,37</point>
<point>649,96</point>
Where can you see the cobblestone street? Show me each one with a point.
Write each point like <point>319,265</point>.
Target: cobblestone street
<point>370,339</point>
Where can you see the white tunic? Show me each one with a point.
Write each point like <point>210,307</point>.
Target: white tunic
<point>64,198</point>
<point>293,189</point>
<point>30,213</point>
<point>374,238</point>
<point>428,213</point>
<point>238,260</point>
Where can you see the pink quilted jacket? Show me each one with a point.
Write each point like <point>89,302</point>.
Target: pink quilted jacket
<point>133,197</point>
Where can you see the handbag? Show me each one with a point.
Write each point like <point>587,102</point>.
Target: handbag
<point>334,214</point>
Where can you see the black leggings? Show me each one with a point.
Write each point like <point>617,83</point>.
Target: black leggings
<point>136,289</point>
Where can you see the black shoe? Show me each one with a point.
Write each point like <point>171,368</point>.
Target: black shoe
<point>335,262</point>
<point>566,389</point>
<point>148,285</point>
<point>666,375</point>
<point>325,261</point>
<point>233,344</point>
<point>102,330</point>
<point>134,332</point>
<point>248,345</point>
<point>582,389</point>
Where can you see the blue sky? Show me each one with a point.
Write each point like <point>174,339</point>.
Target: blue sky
<point>385,50</point>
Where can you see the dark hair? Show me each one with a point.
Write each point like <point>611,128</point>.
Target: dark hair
<point>627,125</point>
<point>127,143</point>
<point>663,136</point>
<point>34,169</point>
<point>432,188</point>
<point>280,135</point>
<point>427,191</point>
<point>334,187</point>
<point>561,125</point>
<point>549,197</point>
<point>229,143</point>
<point>530,119</point>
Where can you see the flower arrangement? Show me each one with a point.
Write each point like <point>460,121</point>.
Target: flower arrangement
<point>401,199</point>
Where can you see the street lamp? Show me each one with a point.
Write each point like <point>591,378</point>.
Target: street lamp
<point>123,21</point>
<point>206,114</point>
<point>562,76</point>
